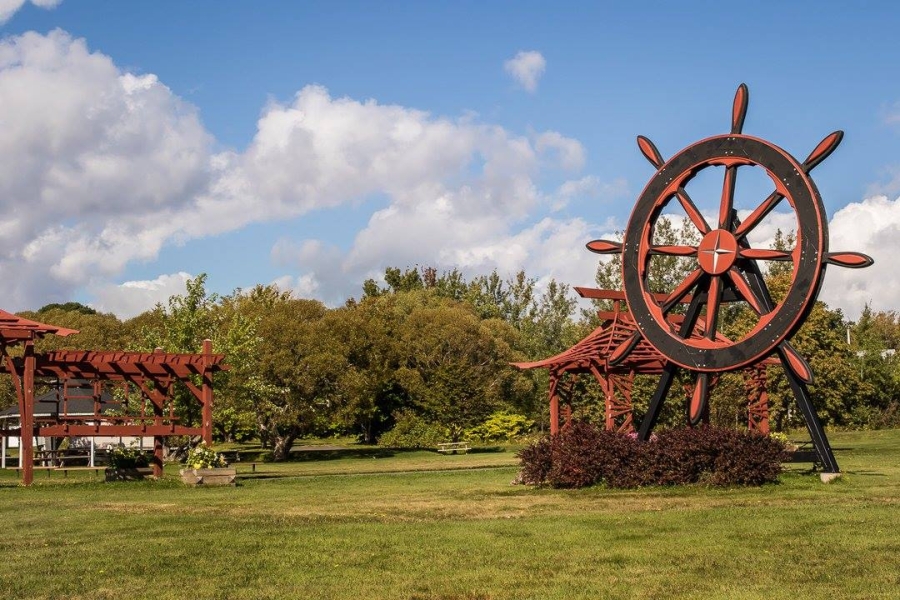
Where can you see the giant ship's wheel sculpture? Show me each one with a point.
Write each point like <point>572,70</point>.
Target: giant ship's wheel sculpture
<point>725,268</point>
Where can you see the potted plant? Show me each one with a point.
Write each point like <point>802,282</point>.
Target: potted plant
<point>204,466</point>
<point>127,463</point>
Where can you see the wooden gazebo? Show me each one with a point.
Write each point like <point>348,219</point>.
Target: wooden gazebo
<point>152,374</point>
<point>592,355</point>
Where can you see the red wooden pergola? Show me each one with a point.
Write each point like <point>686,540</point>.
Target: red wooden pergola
<point>592,356</point>
<point>152,374</point>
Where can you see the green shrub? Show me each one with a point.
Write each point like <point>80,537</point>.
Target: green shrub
<point>503,426</point>
<point>583,455</point>
<point>412,431</point>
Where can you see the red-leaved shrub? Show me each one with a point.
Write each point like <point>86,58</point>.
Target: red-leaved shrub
<point>583,455</point>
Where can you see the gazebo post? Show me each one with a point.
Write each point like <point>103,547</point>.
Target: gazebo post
<point>554,404</point>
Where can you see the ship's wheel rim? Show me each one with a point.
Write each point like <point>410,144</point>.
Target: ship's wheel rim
<point>812,240</point>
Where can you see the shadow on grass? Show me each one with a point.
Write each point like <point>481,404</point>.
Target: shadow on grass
<point>316,455</point>
<point>486,449</point>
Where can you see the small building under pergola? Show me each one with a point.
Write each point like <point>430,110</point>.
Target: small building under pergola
<point>78,397</point>
<point>594,355</point>
<point>150,376</point>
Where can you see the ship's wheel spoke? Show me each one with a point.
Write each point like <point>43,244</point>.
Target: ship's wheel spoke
<point>713,300</point>
<point>699,398</point>
<point>743,288</point>
<point>727,203</point>
<point>692,212</point>
<point>760,213</point>
<point>674,250</point>
<point>681,291</point>
<point>765,254</point>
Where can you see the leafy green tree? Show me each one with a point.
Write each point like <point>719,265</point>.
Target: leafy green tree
<point>181,327</point>
<point>97,331</point>
<point>300,367</point>
<point>68,307</point>
<point>371,395</point>
<point>455,368</point>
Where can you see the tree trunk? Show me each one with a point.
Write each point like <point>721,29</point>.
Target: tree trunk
<point>281,446</point>
<point>263,430</point>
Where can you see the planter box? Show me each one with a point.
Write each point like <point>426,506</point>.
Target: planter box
<point>224,476</point>
<point>135,474</point>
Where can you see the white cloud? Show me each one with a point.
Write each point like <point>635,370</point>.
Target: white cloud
<point>102,167</point>
<point>589,186</point>
<point>570,152</point>
<point>134,297</point>
<point>10,7</point>
<point>526,67</point>
<point>891,114</point>
<point>94,165</point>
<point>872,227</point>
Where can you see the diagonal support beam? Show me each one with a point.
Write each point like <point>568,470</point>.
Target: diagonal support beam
<point>669,372</point>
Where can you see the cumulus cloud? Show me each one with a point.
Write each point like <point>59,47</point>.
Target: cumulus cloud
<point>589,186</point>
<point>526,67</point>
<point>94,160</point>
<point>131,298</point>
<point>891,114</point>
<point>10,7</point>
<point>873,227</point>
<point>100,168</point>
<point>103,167</point>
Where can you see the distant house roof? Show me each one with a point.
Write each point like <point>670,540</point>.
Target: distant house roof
<point>79,403</point>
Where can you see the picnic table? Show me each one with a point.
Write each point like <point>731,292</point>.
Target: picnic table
<point>59,458</point>
<point>453,447</point>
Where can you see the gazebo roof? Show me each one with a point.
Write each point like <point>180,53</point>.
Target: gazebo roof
<point>14,329</point>
<point>595,349</point>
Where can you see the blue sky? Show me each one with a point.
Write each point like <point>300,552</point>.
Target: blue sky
<point>313,144</point>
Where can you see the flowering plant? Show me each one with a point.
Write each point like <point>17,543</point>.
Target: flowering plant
<point>127,457</point>
<point>204,457</point>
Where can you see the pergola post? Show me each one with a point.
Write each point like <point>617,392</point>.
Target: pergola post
<point>158,413</point>
<point>26,412</point>
<point>206,392</point>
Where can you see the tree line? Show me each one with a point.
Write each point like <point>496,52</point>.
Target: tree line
<point>429,349</point>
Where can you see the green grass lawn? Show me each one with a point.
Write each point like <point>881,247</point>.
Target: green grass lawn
<point>416,525</point>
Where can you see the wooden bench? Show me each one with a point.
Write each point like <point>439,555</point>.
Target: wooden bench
<point>453,447</point>
<point>233,458</point>
<point>806,453</point>
<point>65,470</point>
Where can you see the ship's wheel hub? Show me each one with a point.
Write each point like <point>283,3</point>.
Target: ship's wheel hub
<point>717,251</point>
